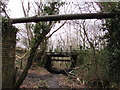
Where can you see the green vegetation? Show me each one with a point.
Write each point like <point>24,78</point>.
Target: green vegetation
<point>113,45</point>
<point>108,59</point>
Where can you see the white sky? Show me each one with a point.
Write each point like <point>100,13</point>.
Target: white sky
<point>14,6</point>
<point>14,9</point>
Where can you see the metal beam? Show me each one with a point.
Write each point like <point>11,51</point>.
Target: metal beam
<point>63,17</point>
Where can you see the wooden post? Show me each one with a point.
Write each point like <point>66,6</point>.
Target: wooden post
<point>73,61</point>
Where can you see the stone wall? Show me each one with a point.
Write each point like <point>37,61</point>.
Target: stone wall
<point>8,54</point>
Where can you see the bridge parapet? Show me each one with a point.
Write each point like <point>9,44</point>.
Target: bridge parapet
<point>61,54</point>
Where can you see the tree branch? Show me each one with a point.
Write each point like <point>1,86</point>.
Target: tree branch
<point>56,30</point>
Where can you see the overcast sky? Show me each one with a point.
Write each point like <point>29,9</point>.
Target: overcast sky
<point>14,6</point>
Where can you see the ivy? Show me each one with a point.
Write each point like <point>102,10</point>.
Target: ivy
<point>53,8</point>
<point>7,28</point>
<point>113,43</point>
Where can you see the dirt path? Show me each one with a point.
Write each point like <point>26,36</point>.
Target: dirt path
<point>53,82</point>
<point>40,78</point>
<point>35,80</point>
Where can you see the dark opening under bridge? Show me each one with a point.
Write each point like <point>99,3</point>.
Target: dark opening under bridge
<point>51,56</point>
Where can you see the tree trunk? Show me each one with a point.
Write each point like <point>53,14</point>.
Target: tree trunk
<point>30,59</point>
<point>39,58</point>
<point>29,63</point>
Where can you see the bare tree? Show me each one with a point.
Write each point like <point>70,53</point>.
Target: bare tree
<point>28,26</point>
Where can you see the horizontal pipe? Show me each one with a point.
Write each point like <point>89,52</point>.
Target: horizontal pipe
<point>63,17</point>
